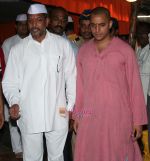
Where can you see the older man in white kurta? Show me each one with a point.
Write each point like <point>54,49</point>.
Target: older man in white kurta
<point>41,79</point>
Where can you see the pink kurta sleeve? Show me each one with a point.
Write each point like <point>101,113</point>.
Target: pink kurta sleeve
<point>79,90</point>
<point>138,106</point>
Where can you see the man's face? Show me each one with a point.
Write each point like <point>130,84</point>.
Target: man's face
<point>37,24</point>
<point>142,39</point>
<point>100,26</point>
<point>58,22</point>
<point>85,30</point>
<point>22,29</point>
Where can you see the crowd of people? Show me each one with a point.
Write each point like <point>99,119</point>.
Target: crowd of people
<point>85,94</point>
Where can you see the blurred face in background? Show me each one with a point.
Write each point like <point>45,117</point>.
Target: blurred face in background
<point>58,22</point>
<point>142,31</point>
<point>85,30</point>
<point>142,39</point>
<point>22,28</point>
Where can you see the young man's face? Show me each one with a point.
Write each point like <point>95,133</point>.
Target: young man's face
<point>37,24</point>
<point>85,30</point>
<point>58,22</point>
<point>100,26</point>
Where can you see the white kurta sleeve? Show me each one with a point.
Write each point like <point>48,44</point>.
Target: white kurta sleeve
<point>10,82</point>
<point>70,76</point>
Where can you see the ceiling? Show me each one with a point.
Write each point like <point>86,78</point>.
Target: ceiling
<point>145,6</point>
<point>10,8</point>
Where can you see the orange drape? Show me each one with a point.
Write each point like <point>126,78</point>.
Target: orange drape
<point>119,9</point>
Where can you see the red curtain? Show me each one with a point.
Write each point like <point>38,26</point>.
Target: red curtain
<point>119,9</point>
<point>6,30</point>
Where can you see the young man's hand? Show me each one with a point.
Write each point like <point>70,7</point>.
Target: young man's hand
<point>137,132</point>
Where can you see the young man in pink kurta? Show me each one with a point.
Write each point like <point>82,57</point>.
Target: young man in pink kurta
<point>110,104</point>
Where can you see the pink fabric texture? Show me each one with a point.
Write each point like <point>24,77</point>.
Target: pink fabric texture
<point>109,103</point>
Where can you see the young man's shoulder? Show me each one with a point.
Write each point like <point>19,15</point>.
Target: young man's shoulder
<point>121,44</point>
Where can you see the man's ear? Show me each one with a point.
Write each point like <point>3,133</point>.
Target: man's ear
<point>47,21</point>
<point>110,24</point>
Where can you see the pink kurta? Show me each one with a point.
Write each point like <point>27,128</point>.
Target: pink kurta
<point>109,102</point>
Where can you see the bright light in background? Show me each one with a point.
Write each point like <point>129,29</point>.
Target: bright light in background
<point>143,16</point>
<point>131,0</point>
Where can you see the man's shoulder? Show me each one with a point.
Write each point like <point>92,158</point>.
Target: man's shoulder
<point>123,47</point>
<point>57,38</point>
<point>20,44</point>
<point>86,45</point>
<point>119,43</point>
<point>10,39</point>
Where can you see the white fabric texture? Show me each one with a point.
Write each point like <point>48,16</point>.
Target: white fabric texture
<point>143,56</point>
<point>43,80</point>
<point>33,145</point>
<point>8,43</point>
<point>15,138</point>
<point>36,9</point>
<point>21,17</point>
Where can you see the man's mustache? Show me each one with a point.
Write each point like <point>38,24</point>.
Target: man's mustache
<point>59,27</point>
<point>34,29</point>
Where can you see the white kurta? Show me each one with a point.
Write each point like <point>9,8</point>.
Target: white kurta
<point>39,77</point>
<point>143,56</point>
<point>8,43</point>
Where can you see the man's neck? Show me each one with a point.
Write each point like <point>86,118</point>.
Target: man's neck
<point>39,39</point>
<point>101,45</point>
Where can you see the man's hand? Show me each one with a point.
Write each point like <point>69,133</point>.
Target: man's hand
<point>14,112</point>
<point>75,126</point>
<point>1,120</point>
<point>71,123</point>
<point>137,133</point>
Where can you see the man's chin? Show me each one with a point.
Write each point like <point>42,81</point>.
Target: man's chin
<point>58,32</point>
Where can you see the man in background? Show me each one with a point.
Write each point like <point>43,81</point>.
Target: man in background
<point>21,33</point>
<point>57,25</point>
<point>84,27</point>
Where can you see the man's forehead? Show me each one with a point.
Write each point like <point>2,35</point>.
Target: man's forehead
<point>22,22</point>
<point>85,21</point>
<point>36,15</point>
<point>59,13</point>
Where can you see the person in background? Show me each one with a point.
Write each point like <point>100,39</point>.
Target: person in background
<point>143,57</point>
<point>84,26</point>
<point>42,89</point>
<point>21,33</point>
<point>110,107</point>
<point>57,25</point>
<point>114,31</point>
<point>143,54</point>
<point>69,31</point>
<point>2,64</point>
